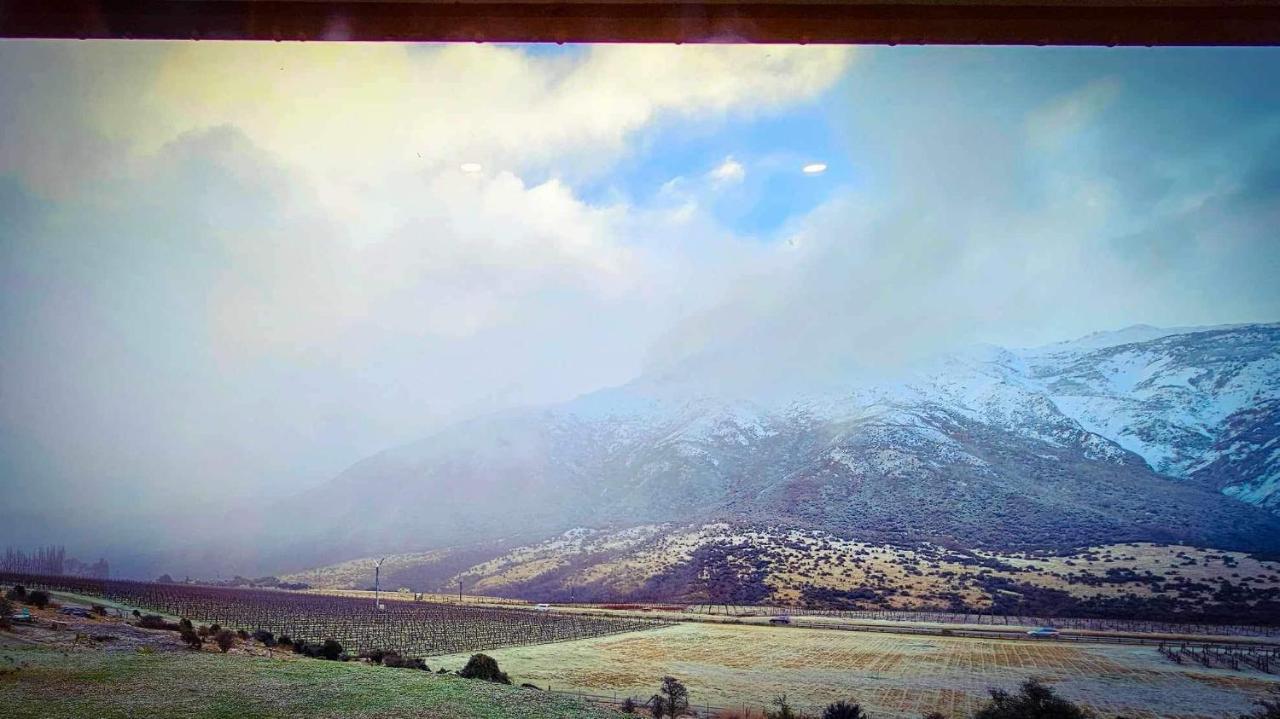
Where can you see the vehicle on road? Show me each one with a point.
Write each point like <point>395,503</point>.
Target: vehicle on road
<point>543,607</point>
<point>1043,632</point>
<point>780,619</point>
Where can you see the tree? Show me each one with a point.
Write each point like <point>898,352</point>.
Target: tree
<point>843,710</point>
<point>38,598</point>
<point>484,667</point>
<point>6,611</point>
<point>1033,701</point>
<point>671,700</point>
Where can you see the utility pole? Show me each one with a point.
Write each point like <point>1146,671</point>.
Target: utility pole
<point>377,572</point>
<point>459,589</point>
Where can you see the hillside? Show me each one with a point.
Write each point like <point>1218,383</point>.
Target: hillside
<point>1138,435</point>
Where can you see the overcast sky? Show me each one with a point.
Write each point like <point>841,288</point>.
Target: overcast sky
<point>232,270</point>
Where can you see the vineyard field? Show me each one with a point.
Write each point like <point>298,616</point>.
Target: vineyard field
<point>412,628</point>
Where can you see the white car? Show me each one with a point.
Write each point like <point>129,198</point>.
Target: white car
<point>543,607</point>
<point>1043,632</point>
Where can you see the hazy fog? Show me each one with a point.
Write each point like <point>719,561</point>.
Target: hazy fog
<point>229,271</point>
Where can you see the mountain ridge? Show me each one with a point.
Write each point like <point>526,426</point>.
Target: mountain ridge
<point>1167,438</point>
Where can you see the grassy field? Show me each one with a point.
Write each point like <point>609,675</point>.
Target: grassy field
<point>891,675</point>
<point>46,684</point>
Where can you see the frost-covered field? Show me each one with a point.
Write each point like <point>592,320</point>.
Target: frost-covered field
<point>891,675</point>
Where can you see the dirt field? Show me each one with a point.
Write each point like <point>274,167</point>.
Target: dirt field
<point>891,675</point>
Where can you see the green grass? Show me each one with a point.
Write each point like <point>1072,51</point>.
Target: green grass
<point>48,684</point>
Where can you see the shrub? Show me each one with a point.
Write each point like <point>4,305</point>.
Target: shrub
<point>185,624</point>
<point>629,706</point>
<point>137,613</point>
<point>244,636</point>
<point>38,599</point>
<point>783,710</point>
<point>100,610</point>
<point>17,594</point>
<point>395,661</point>
<point>155,621</point>
<point>330,649</point>
<point>203,631</point>
<point>1266,710</point>
<point>1033,701</point>
<point>267,638</point>
<point>484,667</point>
<point>934,715</point>
<point>193,640</point>
<point>215,628</point>
<point>6,611</point>
<point>843,710</point>
<point>285,641</point>
<point>225,639</point>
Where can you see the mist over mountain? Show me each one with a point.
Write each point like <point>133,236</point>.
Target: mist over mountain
<point>1142,434</point>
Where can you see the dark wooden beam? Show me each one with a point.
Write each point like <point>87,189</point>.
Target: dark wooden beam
<point>1040,22</point>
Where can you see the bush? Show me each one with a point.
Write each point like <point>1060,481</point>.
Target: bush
<point>244,636</point>
<point>484,667</point>
<point>1033,701</point>
<point>137,613</point>
<point>629,706</point>
<point>155,621</point>
<point>395,661</point>
<point>267,638</point>
<point>331,649</point>
<point>100,610</point>
<point>38,599</point>
<point>193,640</point>
<point>185,624</point>
<point>6,611</point>
<point>225,639</point>
<point>843,710</point>
<point>17,594</point>
<point>215,628</point>
<point>1266,710</point>
<point>375,655</point>
<point>203,631</point>
<point>783,710</point>
<point>285,641</point>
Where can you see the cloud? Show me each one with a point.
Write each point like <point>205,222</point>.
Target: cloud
<point>258,263</point>
<point>728,172</point>
<point>1006,220</point>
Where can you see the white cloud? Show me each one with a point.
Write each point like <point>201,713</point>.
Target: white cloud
<point>284,233</point>
<point>728,172</point>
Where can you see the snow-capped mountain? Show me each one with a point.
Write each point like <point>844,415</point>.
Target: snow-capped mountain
<point>1141,434</point>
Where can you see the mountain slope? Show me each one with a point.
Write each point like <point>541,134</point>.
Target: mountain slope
<point>1143,434</point>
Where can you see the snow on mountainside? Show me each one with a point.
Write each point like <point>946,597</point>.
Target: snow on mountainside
<point>1141,434</point>
<point>1199,404</point>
